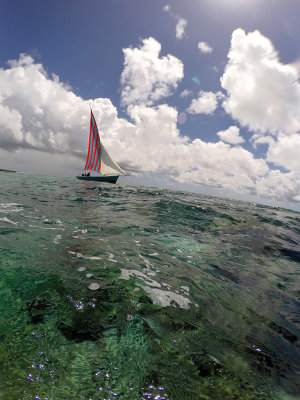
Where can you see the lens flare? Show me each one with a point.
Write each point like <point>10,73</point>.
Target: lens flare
<point>195,80</point>
<point>181,118</point>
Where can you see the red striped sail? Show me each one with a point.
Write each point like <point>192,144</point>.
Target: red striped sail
<point>93,159</point>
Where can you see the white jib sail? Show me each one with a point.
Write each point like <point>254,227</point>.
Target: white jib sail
<point>108,166</point>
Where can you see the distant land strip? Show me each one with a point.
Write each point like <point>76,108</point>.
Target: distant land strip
<point>6,170</point>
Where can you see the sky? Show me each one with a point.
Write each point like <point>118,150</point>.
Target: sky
<point>200,95</point>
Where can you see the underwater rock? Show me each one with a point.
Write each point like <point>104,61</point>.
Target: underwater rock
<point>81,332</point>
<point>36,310</point>
<point>292,254</point>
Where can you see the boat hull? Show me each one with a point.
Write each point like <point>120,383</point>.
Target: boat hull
<point>107,178</point>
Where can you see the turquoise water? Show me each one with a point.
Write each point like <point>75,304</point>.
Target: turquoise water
<point>121,292</point>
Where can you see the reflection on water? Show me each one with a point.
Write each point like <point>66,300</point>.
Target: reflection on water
<point>117,292</point>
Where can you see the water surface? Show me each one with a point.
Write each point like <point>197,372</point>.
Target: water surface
<point>121,292</point>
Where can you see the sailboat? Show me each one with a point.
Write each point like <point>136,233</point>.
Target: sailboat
<point>98,160</point>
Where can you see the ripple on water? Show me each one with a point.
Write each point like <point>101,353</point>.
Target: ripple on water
<point>133,293</point>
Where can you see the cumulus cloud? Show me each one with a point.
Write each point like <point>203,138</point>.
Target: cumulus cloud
<point>181,22</point>
<point>39,112</point>
<point>257,139</point>
<point>221,165</point>
<point>285,152</point>
<point>231,135</point>
<point>280,186</point>
<point>206,103</point>
<point>262,92</point>
<point>180,28</point>
<point>185,93</point>
<point>204,48</point>
<point>35,110</point>
<point>46,126</point>
<point>43,115</point>
<point>146,77</point>
<point>155,145</point>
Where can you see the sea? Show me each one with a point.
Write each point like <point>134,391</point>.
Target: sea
<point>126,292</point>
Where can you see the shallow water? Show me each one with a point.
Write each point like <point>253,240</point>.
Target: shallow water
<point>121,292</point>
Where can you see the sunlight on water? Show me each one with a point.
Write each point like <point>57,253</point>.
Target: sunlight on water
<point>119,292</point>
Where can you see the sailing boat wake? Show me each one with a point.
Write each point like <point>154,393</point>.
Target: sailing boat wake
<point>98,159</point>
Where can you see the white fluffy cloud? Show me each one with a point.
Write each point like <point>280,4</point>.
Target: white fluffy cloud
<point>44,127</point>
<point>154,144</point>
<point>35,110</point>
<point>220,165</point>
<point>262,92</point>
<point>264,95</point>
<point>285,152</point>
<point>181,22</point>
<point>39,113</point>
<point>206,103</point>
<point>185,93</point>
<point>147,78</point>
<point>204,48</point>
<point>180,28</point>
<point>231,135</point>
<point>279,185</point>
<point>43,115</point>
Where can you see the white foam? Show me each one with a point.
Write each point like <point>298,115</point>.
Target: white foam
<point>147,262</point>
<point>48,228</point>
<point>57,239</point>
<point>75,253</point>
<point>10,207</point>
<point>4,219</point>
<point>75,233</point>
<point>111,258</point>
<point>80,255</point>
